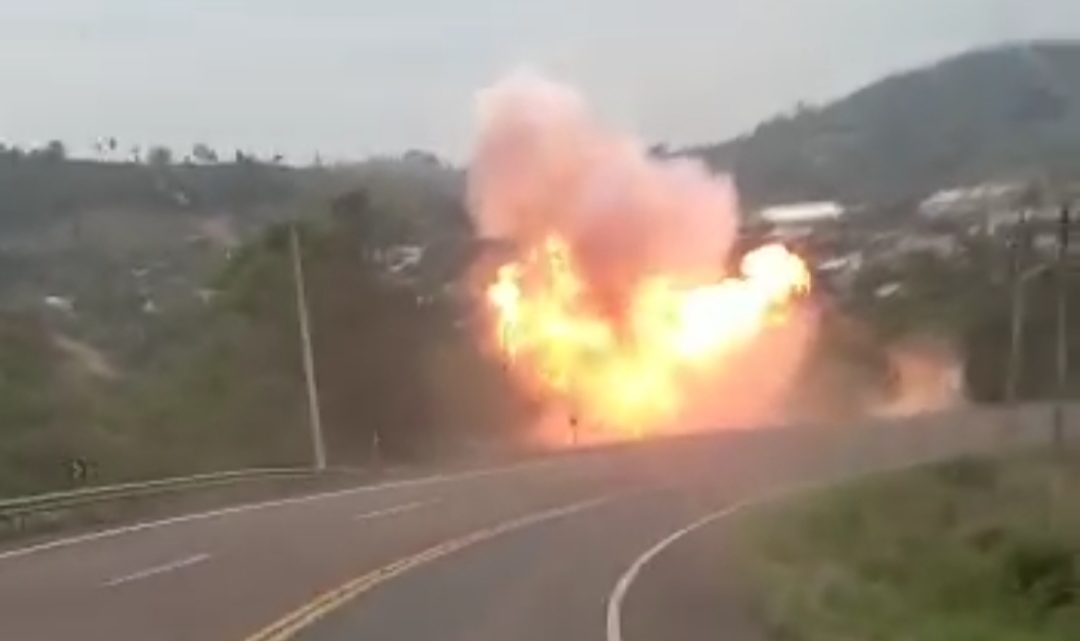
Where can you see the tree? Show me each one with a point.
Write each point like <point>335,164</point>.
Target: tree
<point>159,156</point>
<point>371,228</point>
<point>54,151</point>
<point>421,156</point>
<point>203,153</point>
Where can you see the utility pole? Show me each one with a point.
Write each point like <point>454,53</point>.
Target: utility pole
<point>318,448</point>
<point>1016,325</point>
<point>1062,326</point>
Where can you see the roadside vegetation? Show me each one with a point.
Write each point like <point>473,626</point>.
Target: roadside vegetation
<point>150,385</point>
<point>976,549</point>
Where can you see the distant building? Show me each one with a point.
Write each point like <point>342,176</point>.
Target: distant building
<point>841,270</point>
<point>1004,219</point>
<point>888,290</point>
<point>846,262</point>
<point>60,303</point>
<point>897,244</point>
<point>990,199</point>
<point>943,245</point>
<point>802,213</point>
<point>798,220</point>
<point>400,259</point>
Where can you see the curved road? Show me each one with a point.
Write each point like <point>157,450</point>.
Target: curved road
<point>551,549</point>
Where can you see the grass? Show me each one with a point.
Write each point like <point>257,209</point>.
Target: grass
<point>976,549</point>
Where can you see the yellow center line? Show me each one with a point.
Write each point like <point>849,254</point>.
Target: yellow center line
<point>292,623</point>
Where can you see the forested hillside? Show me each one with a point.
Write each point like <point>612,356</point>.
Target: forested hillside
<point>1005,113</point>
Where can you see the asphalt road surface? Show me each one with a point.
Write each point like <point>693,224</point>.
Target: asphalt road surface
<point>561,548</point>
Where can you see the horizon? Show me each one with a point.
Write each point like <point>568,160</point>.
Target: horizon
<point>278,82</point>
<point>182,153</point>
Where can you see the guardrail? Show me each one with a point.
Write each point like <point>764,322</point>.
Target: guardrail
<point>15,509</point>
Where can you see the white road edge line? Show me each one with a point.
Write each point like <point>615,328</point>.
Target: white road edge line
<point>390,511</point>
<point>157,569</point>
<point>250,507</point>
<point>622,586</point>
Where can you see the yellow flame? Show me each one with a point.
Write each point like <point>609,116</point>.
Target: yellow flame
<point>627,375</point>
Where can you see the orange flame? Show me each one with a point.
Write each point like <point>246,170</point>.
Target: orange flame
<point>629,373</point>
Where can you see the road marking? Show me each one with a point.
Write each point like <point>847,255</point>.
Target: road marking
<point>251,507</point>
<point>158,569</point>
<point>292,623</point>
<point>390,511</point>
<point>622,586</point>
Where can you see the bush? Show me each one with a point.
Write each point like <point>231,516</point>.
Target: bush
<point>1041,570</point>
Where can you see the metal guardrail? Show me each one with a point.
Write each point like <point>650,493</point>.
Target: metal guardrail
<point>15,508</point>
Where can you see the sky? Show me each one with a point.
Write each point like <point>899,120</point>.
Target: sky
<point>351,78</point>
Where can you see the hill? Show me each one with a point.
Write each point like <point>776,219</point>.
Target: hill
<point>103,247</point>
<point>1011,112</point>
<point>148,319</point>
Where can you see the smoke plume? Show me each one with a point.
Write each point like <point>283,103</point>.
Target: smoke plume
<point>543,166</point>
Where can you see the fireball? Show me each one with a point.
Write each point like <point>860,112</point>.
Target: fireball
<point>628,373</point>
<point>614,309</point>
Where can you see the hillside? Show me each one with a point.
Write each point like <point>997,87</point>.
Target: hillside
<point>103,247</point>
<point>148,319</point>
<point>1007,112</point>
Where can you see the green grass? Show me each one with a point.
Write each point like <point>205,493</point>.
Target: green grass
<point>970,550</point>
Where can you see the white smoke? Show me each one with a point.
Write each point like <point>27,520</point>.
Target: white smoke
<point>543,164</point>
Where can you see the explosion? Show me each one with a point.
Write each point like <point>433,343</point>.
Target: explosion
<point>617,304</point>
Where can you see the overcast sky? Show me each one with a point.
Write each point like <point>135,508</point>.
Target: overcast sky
<point>355,77</point>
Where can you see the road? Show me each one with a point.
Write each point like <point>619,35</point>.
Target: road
<point>533,551</point>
